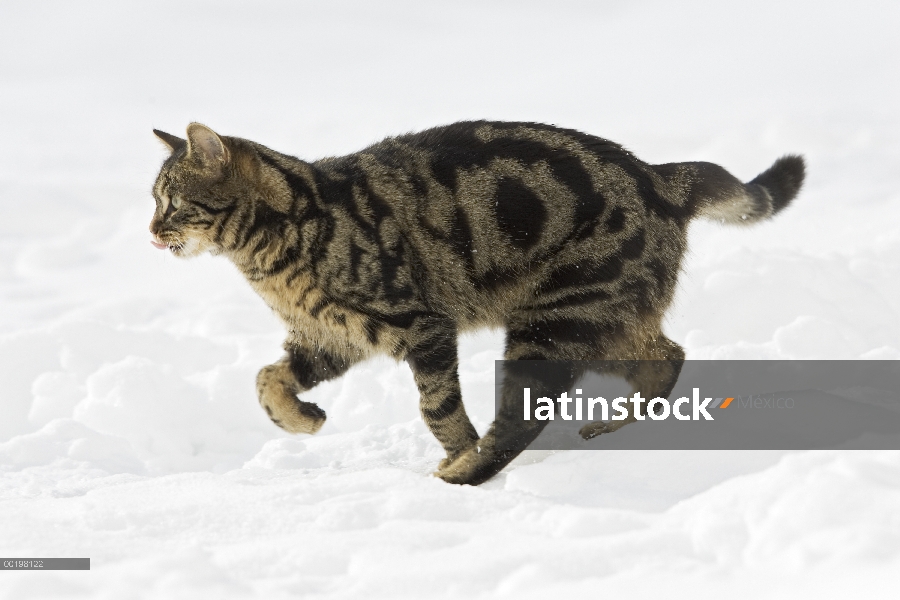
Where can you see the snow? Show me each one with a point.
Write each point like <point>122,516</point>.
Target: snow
<point>129,428</point>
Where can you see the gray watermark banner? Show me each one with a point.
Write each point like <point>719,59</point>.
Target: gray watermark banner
<point>45,564</point>
<point>714,405</point>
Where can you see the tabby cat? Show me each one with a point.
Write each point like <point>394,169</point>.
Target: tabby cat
<point>566,240</point>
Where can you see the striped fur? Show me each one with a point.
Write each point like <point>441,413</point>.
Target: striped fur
<point>566,240</point>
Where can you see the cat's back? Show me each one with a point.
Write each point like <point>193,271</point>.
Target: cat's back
<point>490,209</point>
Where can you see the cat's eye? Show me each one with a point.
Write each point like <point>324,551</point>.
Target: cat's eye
<point>176,201</point>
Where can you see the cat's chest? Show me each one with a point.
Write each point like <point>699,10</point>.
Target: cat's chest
<point>313,318</point>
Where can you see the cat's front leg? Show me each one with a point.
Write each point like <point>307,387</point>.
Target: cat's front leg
<point>434,362</point>
<point>533,356</point>
<point>301,369</point>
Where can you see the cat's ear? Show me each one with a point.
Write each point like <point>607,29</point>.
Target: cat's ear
<point>172,141</point>
<point>204,144</point>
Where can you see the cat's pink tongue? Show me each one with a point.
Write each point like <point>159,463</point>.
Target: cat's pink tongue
<point>158,245</point>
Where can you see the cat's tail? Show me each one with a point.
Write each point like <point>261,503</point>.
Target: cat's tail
<point>716,194</point>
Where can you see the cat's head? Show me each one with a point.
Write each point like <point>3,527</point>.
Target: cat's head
<point>194,192</point>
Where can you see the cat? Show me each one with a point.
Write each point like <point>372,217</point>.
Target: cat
<point>566,240</point>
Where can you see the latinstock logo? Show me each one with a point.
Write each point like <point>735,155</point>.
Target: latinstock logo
<point>709,404</point>
<point>658,409</point>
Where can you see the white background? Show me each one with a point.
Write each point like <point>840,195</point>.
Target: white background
<point>129,427</point>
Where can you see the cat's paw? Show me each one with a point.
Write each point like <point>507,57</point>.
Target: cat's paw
<point>452,456</point>
<point>592,430</point>
<point>306,418</point>
<point>472,467</point>
<point>293,415</point>
<point>458,475</point>
<point>275,387</point>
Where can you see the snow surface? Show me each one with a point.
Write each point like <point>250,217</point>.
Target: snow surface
<point>130,432</point>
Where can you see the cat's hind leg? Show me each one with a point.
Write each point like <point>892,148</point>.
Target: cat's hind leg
<point>535,349</point>
<point>301,369</point>
<point>654,375</point>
